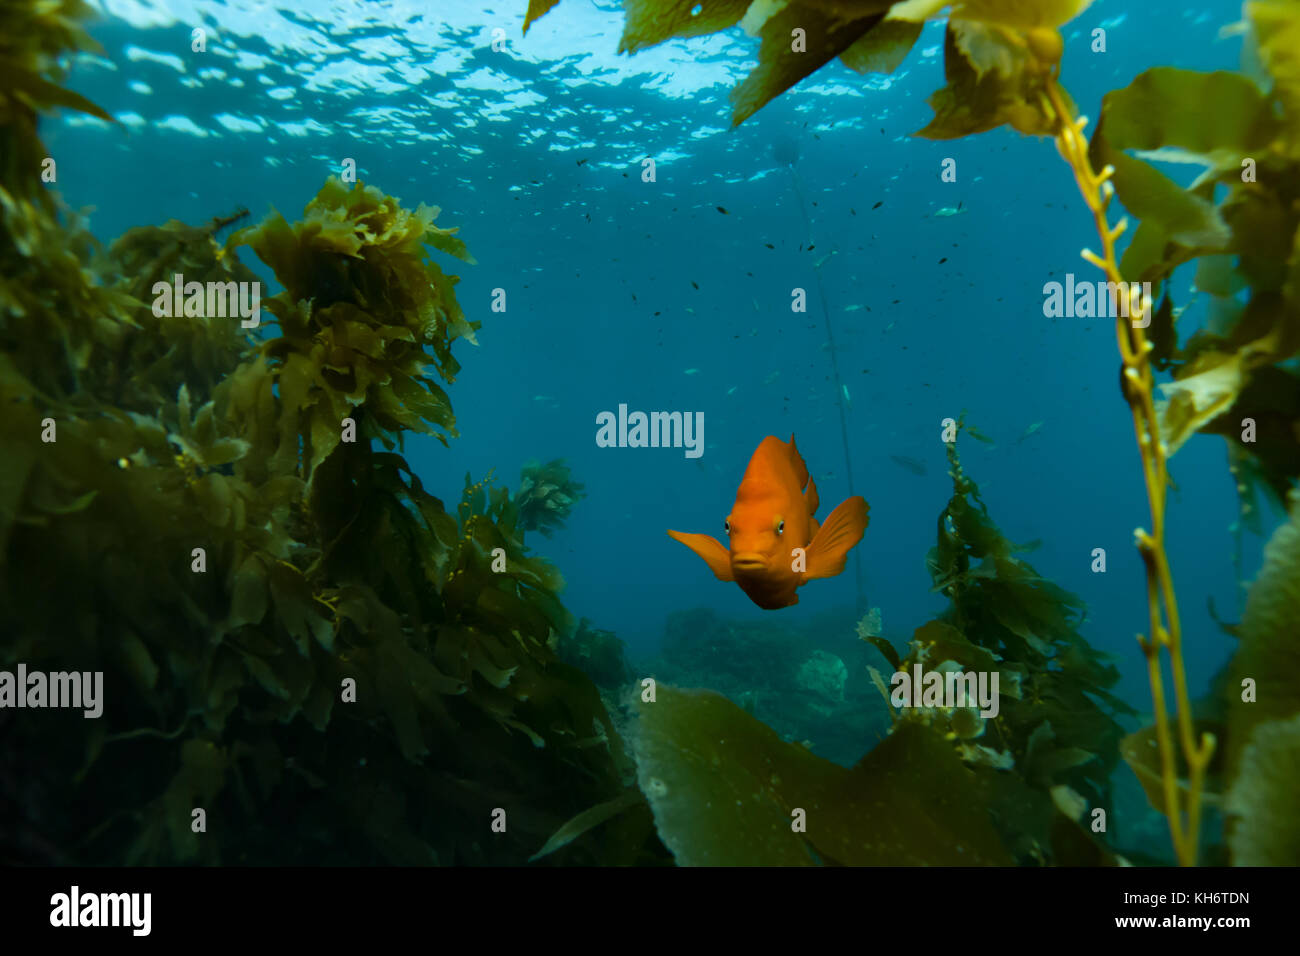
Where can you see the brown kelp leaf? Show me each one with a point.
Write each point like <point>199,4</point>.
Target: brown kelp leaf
<point>1014,14</point>
<point>1003,86</point>
<point>883,48</point>
<point>537,9</point>
<point>648,22</point>
<point>726,791</point>
<point>587,820</point>
<point>782,61</point>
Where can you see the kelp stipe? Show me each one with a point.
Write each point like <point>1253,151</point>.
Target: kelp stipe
<point>787,154</point>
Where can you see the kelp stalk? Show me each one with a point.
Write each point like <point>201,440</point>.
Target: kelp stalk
<point>1138,382</point>
<point>840,392</point>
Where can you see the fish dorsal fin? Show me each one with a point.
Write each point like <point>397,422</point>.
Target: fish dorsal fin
<point>710,549</point>
<point>831,544</point>
<point>797,463</point>
<point>811,500</point>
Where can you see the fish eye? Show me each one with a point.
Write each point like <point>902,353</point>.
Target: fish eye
<point>726,525</point>
<point>780,525</point>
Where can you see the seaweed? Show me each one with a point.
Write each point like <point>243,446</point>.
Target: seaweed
<point>545,496</point>
<point>296,637</point>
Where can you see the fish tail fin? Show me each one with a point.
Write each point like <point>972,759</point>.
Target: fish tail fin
<point>710,549</point>
<point>831,545</point>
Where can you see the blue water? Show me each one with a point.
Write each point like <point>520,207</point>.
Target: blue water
<point>535,150</point>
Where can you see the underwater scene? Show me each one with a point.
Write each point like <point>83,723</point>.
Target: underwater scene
<point>649,433</point>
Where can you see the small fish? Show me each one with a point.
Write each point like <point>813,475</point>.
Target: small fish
<point>695,285</point>
<point>822,261</point>
<point>1029,431</point>
<point>755,301</point>
<point>911,464</point>
<point>690,310</point>
<point>878,205</point>
<point>732,390</point>
<point>721,210</point>
<point>771,530</point>
<point>979,435</point>
<point>852,308</point>
<point>771,377</point>
<point>950,210</point>
<point>691,371</point>
<point>845,389</point>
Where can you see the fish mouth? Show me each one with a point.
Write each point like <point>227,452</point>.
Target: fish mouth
<point>748,561</point>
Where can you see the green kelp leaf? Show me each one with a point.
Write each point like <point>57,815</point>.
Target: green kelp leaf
<point>198,782</point>
<point>587,820</point>
<point>779,67</point>
<point>43,95</point>
<point>1276,33</point>
<point>723,788</point>
<point>1153,197</point>
<point>248,599</point>
<point>1272,460</point>
<point>1263,825</point>
<point>648,22</point>
<point>1167,107</point>
<point>1268,653</point>
<point>1141,751</point>
<point>1205,389</point>
<point>882,49</point>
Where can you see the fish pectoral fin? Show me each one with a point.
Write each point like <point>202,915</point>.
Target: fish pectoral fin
<point>710,549</point>
<point>836,537</point>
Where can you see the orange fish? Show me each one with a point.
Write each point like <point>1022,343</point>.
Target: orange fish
<point>776,545</point>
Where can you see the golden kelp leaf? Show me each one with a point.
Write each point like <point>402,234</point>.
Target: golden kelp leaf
<point>972,102</point>
<point>1018,14</point>
<point>780,67</point>
<point>1276,29</point>
<point>882,49</point>
<point>1268,653</point>
<point>723,788</point>
<point>647,22</point>
<point>1141,752</point>
<point>1206,389</point>
<point>1166,107</point>
<point>537,9</point>
<point>1263,825</point>
<point>1153,197</point>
